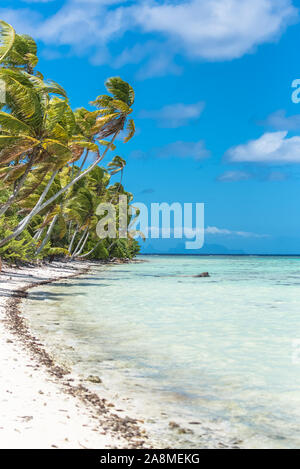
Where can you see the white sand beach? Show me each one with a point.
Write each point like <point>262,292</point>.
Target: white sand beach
<point>40,407</point>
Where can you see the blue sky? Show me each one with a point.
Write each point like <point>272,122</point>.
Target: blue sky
<point>214,115</point>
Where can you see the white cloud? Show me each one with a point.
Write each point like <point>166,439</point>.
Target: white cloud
<point>181,149</point>
<point>197,29</point>
<point>157,59</point>
<point>234,176</point>
<point>277,176</point>
<point>259,175</point>
<point>279,120</point>
<point>213,230</point>
<point>273,148</point>
<point>174,115</point>
<point>216,29</point>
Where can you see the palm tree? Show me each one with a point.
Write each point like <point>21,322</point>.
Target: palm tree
<point>41,143</point>
<point>84,203</point>
<point>116,165</point>
<point>115,109</point>
<point>56,214</point>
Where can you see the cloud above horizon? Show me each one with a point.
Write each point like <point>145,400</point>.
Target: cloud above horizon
<point>174,115</point>
<point>213,230</point>
<point>178,149</point>
<point>214,30</point>
<point>280,121</point>
<point>234,176</point>
<point>271,148</point>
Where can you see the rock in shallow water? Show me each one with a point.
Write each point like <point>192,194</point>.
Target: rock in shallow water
<point>94,379</point>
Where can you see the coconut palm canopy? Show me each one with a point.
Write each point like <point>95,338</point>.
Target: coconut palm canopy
<point>50,189</point>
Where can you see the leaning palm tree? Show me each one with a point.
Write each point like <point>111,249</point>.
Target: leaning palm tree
<point>42,142</point>
<point>84,204</point>
<point>115,109</point>
<point>53,215</point>
<point>116,165</point>
<point>32,137</point>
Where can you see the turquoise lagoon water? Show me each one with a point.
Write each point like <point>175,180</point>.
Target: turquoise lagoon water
<point>216,356</point>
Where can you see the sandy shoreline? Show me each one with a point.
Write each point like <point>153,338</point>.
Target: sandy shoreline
<point>41,405</point>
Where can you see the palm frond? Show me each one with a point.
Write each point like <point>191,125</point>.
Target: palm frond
<point>77,148</point>
<point>59,133</point>
<point>102,101</point>
<point>11,147</point>
<point>58,153</point>
<point>120,90</point>
<point>120,106</point>
<point>59,112</point>
<point>21,98</point>
<point>11,174</point>
<point>105,143</point>
<point>103,121</point>
<point>130,130</point>
<point>11,124</point>
<point>46,86</point>
<point>22,54</point>
<point>7,38</point>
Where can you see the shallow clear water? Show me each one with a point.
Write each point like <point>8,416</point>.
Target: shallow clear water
<point>217,351</point>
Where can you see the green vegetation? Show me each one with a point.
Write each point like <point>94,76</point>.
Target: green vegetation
<point>51,181</point>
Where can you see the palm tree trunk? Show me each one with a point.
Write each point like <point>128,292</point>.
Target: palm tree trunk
<point>38,234</point>
<point>21,227</point>
<point>69,230</point>
<point>17,189</point>
<point>79,243</point>
<point>111,246</point>
<point>72,240</point>
<point>84,160</point>
<point>48,234</point>
<point>91,251</point>
<point>77,253</point>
